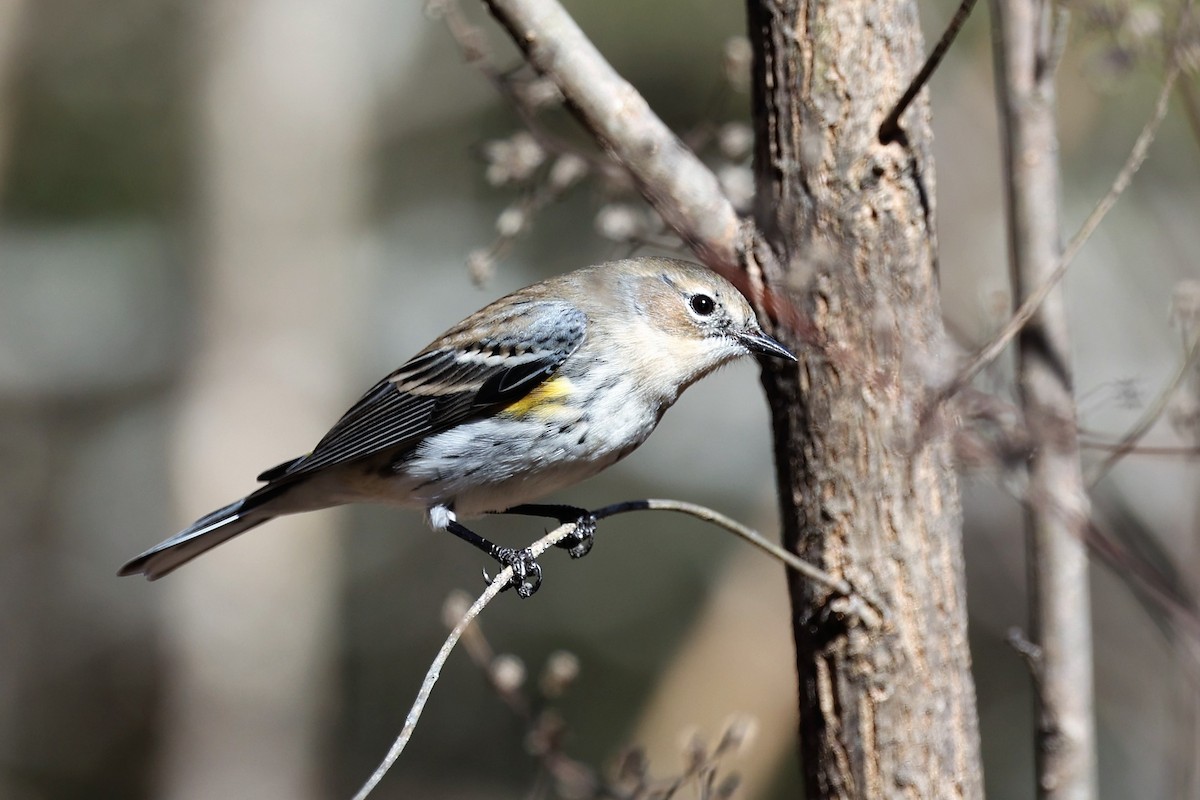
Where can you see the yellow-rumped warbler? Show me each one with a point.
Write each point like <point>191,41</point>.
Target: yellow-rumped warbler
<point>533,393</point>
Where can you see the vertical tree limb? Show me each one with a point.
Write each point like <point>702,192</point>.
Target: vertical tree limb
<point>887,713</point>
<point>1057,507</point>
<point>12,25</point>
<point>282,150</point>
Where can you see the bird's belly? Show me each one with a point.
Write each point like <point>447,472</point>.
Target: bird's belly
<point>502,461</point>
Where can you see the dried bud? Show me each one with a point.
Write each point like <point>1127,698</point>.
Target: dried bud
<point>735,140</point>
<point>566,171</point>
<point>738,55</point>
<point>511,221</point>
<point>693,751</point>
<point>1183,412</point>
<point>562,668</point>
<point>574,781</point>
<point>512,160</point>
<point>546,734</point>
<point>455,608</point>
<point>632,765</point>
<point>738,184</point>
<point>480,266</point>
<point>1143,22</point>
<point>527,152</point>
<point>539,93</point>
<point>620,222</point>
<point>739,731</point>
<point>1185,306</point>
<point>507,673</point>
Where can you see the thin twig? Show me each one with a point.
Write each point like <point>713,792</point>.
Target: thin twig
<point>1030,653</point>
<point>1130,440</point>
<point>552,538</point>
<point>1143,450</point>
<point>813,573</point>
<point>1191,105</point>
<point>1143,576</point>
<point>1034,658</point>
<point>1020,318</point>
<point>889,129</point>
<point>494,588</point>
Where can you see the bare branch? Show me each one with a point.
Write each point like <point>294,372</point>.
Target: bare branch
<point>869,615</point>
<point>1143,450</point>
<point>1144,578</point>
<point>1191,105</point>
<point>1027,39</point>
<point>752,536</point>
<point>677,184</point>
<point>1029,652</point>
<point>889,129</point>
<point>502,579</point>
<point>1032,303</point>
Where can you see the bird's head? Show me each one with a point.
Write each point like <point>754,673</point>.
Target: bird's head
<point>684,320</point>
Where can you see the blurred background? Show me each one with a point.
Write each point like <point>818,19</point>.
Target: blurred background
<point>223,221</point>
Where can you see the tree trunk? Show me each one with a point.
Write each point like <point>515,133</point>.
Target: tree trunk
<point>887,705</point>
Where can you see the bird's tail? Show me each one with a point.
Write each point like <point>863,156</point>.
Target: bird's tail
<point>204,534</point>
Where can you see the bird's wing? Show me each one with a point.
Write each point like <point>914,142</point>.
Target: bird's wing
<point>488,361</point>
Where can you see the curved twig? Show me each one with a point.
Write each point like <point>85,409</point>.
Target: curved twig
<point>813,573</point>
<point>494,588</point>
<point>552,538</point>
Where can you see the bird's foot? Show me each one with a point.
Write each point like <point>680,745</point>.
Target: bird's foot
<point>578,543</point>
<point>527,573</point>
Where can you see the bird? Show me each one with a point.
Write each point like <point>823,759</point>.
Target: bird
<point>531,394</point>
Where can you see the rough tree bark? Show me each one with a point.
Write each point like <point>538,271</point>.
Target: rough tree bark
<point>886,711</point>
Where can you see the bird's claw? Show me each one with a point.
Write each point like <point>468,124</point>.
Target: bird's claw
<point>527,572</point>
<point>578,543</point>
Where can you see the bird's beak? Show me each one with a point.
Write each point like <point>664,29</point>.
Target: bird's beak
<point>758,342</point>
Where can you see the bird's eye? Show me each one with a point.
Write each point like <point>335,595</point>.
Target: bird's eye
<point>702,304</point>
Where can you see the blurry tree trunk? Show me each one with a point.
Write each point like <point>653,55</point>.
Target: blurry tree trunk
<point>12,19</point>
<point>1057,508</point>
<point>886,710</point>
<point>282,169</point>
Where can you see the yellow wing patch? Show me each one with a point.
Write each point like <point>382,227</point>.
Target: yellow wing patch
<point>542,401</point>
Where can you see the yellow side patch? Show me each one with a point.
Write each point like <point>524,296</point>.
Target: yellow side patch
<point>542,401</point>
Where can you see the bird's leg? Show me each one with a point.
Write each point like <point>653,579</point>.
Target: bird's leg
<point>527,573</point>
<point>579,541</point>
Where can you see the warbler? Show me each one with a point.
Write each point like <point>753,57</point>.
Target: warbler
<point>533,393</point>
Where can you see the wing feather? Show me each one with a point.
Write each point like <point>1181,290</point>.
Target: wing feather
<point>444,386</point>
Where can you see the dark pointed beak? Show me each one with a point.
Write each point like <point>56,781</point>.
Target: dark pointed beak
<point>758,342</point>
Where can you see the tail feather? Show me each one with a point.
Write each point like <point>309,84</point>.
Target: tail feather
<point>201,536</point>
